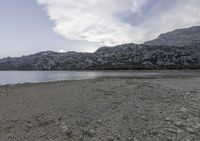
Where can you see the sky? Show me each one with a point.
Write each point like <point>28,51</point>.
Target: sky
<point>30,26</point>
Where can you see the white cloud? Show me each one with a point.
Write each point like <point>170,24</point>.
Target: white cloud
<point>93,20</point>
<point>183,13</point>
<point>99,21</point>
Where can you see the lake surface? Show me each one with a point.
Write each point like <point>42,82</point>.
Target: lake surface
<point>15,77</point>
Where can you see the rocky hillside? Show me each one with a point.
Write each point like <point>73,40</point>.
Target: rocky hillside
<point>162,53</point>
<point>180,37</point>
<point>47,61</point>
<point>128,56</point>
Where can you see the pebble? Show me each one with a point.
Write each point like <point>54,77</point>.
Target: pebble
<point>43,134</point>
<point>172,130</point>
<point>144,118</point>
<point>99,121</point>
<point>30,125</point>
<point>183,110</point>
<point>179,124</point>
<point>190,130</point>
<point>66,130</point>
<point>179,131</point>
<point>91,133</point>
<point>168,119</point>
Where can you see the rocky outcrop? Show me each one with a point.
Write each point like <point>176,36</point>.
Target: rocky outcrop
<point>128,56</point>
<point>180,37</point>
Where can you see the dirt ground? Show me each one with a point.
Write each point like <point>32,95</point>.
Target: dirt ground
<point>102,110</point>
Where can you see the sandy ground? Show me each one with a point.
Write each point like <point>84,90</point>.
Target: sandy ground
<point>102,110</point>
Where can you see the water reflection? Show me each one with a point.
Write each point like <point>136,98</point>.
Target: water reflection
<point>14,77</point>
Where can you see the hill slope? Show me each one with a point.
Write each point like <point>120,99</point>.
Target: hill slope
<point>162,53</point>
<point>128,56</point>
<point>180,37</point>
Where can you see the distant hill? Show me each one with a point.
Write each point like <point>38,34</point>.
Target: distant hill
<point>180,37</point>
<point>129,56</point>
<point>162,53</point>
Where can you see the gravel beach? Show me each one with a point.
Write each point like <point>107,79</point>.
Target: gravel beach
<point>161,109</point>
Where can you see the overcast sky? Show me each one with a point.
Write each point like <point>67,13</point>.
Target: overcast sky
<point>30,26</point>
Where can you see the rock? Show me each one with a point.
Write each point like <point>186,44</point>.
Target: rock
<point>30,125</point>
<point>179,123</point>
<point>171,130</point>
<point>168,119</point>
<point>183,110</point>
<point>66,130</point>
<point>43,134</point>
<point>91,133</point>
<point>179,131</point>
<point>190,130</point>
<point>99,121</point>
<point>144,118</point>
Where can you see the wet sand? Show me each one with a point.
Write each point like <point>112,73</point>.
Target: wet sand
<point>102,110</point>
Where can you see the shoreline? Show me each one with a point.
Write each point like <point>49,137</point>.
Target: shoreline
<point>86,75</point>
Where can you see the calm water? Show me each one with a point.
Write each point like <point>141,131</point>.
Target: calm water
<point>15,77</point>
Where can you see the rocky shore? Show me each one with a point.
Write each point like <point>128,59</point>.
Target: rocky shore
<point>161,109</point>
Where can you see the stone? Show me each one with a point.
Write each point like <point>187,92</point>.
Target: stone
<point>91,133</point>
<point>99,121</point>
<point>179,131</point>
<point>43,134</point>
<point>179,124</point>
<point>172,130</point>
<point>168,119</point>
<point>190,130</point>
<point>66,130</point>
<point>183,110</point>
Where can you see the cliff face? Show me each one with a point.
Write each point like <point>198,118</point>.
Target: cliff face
<point>128,56</point>
<point>180,37</point>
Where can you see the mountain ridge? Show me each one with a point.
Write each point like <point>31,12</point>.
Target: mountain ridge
<point>179,37</point>
<point>127,56</point>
